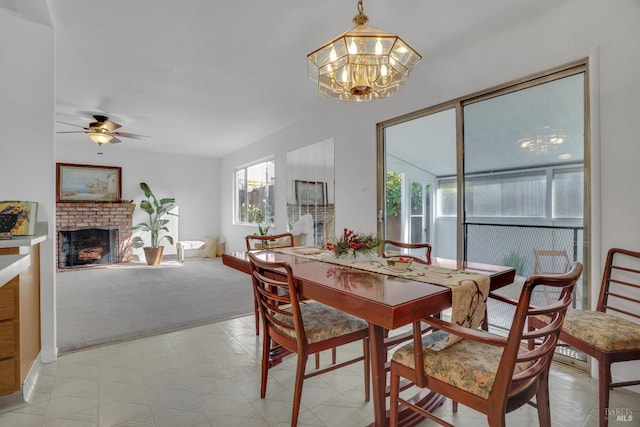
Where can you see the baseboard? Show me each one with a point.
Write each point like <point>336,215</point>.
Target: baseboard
<point>29,384</point>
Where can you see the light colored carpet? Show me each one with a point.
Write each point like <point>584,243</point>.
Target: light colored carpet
<point>101,305</point>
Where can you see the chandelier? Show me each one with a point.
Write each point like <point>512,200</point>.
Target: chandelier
<point>363,64</point>
<point>546,141</point>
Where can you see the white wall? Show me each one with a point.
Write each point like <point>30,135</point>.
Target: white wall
<point>605,31</point>
<point>192,180</point>
<point>26,141</point>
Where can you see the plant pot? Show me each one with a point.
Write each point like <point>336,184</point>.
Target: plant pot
<point>153,255</point>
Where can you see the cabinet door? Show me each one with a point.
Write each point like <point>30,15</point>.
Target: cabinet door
<point>8,339</point>
<point>8,376</point>
<point>8,300</point>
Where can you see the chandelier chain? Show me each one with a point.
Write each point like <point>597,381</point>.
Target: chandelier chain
<point>360,18</point>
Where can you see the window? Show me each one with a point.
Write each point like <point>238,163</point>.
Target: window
<point>447,198</point>
<point>568,194</point>
<point>518,195</point>
<point>255,189</point>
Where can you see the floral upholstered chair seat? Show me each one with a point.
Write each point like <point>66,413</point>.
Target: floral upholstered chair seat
<point>467,364</point>
<point>607,332</point>
<point>322,322</point>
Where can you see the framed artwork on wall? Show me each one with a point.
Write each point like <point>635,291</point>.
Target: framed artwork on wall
<point>88,182</point>
<point>310,192</point>
<point>18,218</point>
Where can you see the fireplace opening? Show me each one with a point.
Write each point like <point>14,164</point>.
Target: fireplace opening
<point>87,247</point>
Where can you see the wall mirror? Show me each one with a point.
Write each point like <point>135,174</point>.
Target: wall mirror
<point>310,193</point>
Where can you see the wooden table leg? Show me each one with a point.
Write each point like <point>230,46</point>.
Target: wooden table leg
<point>425,398</point>
<point>378,374</point>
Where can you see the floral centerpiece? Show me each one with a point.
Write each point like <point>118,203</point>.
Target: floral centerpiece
<point>351,243</point>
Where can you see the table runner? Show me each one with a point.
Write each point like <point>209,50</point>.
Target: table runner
<point>469,291</point>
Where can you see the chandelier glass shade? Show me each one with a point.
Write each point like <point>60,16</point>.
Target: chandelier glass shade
<point>100,137</point>
<point>363,64</point>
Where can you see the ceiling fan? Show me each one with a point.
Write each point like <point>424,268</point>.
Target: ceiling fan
<point>103,131</point>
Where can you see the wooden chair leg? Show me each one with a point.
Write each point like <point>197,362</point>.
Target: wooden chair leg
<point>266,350</point>
<point>367,372</point>
<point>394,391</point>
<point>542,402</point>
<point>333,358</point>
<point>496,419</point>
<point>297,391</point>
<point>604,379</point>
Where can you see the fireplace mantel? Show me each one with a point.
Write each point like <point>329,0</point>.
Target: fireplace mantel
<point>73,216</point>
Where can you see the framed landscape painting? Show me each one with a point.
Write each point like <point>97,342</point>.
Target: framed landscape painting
<point>88,182</point>
<point>310,192</point>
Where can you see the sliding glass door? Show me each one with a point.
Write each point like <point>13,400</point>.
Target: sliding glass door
<point>417,152</point>
<point>524,181</point>
<point>505,175</point>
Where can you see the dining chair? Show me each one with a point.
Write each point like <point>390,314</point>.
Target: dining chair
<point>392,248</point>
<point>486,372</point>
<point>611,332</point>
<point>255,242</point>
<point>302,328</point>
<point>282,240</point>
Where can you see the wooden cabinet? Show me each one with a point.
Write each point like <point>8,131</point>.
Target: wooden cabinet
<point>9,337</point>
<point>19,322</point>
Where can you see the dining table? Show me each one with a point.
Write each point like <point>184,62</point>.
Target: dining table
<point>386,301</point>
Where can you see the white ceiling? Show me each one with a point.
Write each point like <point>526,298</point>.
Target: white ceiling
<point>207,77</point>
<point>494,130</point>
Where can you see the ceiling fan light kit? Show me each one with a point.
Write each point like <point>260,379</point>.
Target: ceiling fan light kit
<point>103,131</point>
<point>100,137</point>
<point>363,64</point>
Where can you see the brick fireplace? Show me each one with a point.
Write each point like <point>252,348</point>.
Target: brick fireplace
<point>112,218</point>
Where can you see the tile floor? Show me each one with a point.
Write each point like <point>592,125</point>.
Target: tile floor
<point>209,376</point>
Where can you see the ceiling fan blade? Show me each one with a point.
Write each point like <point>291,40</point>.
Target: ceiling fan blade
<point>104,123</point>
<point>115,140</point>
<point>110,126</point>
<point>72,131</point>
<point>130,135</point>
<point>71,124</point>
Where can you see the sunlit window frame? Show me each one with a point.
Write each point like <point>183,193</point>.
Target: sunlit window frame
<point>268,219</point>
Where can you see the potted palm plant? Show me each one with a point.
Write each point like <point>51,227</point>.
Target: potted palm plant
<point>158,210</point>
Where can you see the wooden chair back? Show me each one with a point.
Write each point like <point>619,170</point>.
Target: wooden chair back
<point>541,341</point>
<point>257,242</point>
<point>278,301</point>
<point>620,281</point>
<point>282,240</point>
<point>392,248</point>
